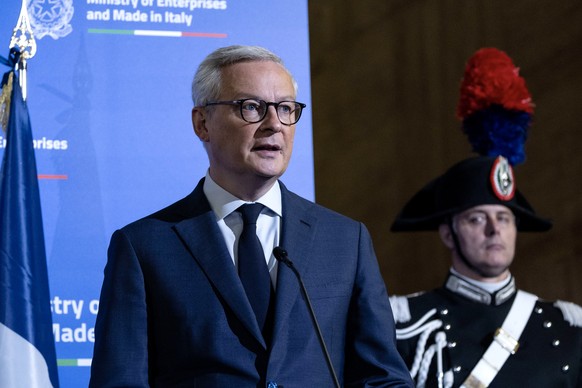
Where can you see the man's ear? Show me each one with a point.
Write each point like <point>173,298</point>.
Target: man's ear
<point>446,236</point>
<point>199,116</point>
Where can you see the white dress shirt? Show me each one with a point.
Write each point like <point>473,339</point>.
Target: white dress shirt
<point>230,221</point>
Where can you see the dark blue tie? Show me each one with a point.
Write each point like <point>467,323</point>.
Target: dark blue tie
<point>252,267</point>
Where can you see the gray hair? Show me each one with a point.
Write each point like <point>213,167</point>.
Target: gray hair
<point>207,81</point>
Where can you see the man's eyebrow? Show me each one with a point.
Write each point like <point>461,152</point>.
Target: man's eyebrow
<point>472,212</point>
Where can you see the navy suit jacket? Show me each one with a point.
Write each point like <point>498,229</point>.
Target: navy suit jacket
<point>173,311</point>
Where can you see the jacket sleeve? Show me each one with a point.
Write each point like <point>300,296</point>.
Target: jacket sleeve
<point>120,356</point>
<point>372,359</point>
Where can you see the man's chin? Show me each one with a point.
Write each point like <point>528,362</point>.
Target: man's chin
<point>495,273</point>
<point>270,173</point>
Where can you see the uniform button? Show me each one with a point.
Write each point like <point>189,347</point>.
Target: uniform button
<point>539,310</point>
<point>556,343</point>
<point>565,368</point>
<point>447,327</point>
<point>271,384</point>
<point>444,311</point>
<point>452,344</point>
<point>457,369</point>
<point>547,324</point>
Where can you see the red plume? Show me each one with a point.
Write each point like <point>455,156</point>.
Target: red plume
<point>491,78</point>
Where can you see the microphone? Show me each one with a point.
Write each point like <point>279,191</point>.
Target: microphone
<point>281,255</point>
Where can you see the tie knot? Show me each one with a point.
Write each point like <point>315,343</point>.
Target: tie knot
<point>250,212</point>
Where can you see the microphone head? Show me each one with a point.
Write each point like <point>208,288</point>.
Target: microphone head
<point>280,253</point>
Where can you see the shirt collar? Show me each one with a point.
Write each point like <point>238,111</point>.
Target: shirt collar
<point>223,203</point>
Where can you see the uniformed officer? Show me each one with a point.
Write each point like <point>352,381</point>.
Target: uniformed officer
<point>478,329</point>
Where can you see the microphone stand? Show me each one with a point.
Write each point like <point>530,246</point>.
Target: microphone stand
<point>281,255</point>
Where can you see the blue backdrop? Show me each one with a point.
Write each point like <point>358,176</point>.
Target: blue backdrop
<point>109,102</point>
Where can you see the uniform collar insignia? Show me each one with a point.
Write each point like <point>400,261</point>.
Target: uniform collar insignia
<point>470,291</point>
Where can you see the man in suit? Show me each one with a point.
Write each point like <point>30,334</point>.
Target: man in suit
<point>175,307</point>
<point>478,329</point>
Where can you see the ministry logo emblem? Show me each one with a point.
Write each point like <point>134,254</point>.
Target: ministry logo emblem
<point>50,17</point>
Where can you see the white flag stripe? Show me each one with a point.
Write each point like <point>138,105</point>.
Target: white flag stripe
<point>21,364</point>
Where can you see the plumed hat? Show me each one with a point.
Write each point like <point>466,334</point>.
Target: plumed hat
<point>495,107</point>
<point>482,180</point>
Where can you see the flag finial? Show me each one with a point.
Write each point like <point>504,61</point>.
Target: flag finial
<point>23,39</point>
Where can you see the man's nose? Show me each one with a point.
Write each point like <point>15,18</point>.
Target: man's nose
<point>271,120</point>
<point>492,226</point>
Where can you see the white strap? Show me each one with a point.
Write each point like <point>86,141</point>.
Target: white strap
<point>504,343</point>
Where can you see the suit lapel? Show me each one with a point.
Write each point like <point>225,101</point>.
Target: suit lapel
<point>205,242</point>
<point>297,238</point>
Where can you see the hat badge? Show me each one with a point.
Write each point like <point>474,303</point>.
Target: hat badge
<point>502,180</point>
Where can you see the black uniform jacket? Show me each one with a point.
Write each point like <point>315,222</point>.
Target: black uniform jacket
<point>550,347</point>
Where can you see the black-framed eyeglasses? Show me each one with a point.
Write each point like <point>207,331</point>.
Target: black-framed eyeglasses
<point>253,110</point>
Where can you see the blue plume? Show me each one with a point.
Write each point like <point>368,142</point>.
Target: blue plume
<point>497,131</point>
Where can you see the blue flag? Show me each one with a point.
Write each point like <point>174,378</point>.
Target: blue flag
<point>27,347</point>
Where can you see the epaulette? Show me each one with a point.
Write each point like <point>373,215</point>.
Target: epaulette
<point>400,308</point>
<point>571,311</point>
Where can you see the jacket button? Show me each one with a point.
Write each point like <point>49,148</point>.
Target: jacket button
<point>272,384</point>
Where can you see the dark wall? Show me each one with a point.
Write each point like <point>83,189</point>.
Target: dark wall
<point>385,81</point>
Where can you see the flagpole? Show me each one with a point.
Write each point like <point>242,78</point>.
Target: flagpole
<point>27,346</point>
<point>23,38</point>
